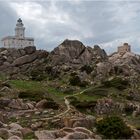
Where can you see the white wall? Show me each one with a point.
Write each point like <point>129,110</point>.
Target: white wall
<point>17,43</point>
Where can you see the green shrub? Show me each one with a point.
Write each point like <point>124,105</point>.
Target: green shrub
<point>96,91</point>
<point>32,95</point>
<point>73,74</point>
<point>49,69</point>
<point>113,127</point>
<point>29,136</point>
<point>50,104</point>
<point>38,75</point>
<point>116,82</point>
<point>88,69</point>
<point>76,81</point>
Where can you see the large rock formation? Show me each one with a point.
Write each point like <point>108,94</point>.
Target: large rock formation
<point>15,61</point>
<point>74,52</point>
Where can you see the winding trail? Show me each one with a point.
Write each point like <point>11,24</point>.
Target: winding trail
<point>67,103</point>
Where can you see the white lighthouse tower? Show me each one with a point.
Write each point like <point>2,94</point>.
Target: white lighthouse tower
<point>20,29</point>
<point>19,40</point>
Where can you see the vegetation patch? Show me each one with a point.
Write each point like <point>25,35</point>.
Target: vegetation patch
<point>27,85</point>
<point>76,81</point>
<point>32,95</point>
<point>116,82</point>
<point>82,105</point>
<point>30,136</point>
<point>88,69</point>
<point>113,127</point>
<point>38,75</point>
<point>96,91</point>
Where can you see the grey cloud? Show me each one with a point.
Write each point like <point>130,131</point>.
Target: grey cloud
<point>8,19</point>
<point>93,22</point>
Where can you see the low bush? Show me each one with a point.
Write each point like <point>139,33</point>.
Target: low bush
<point>88,69</point>
<point>32,95</point>
<point>38,75</point>
<point>116,82</point>
<point>50,104</point>
<point>76,81</point>
<point>113,127</point>
<point>97,91</point>
<point>82,105</point>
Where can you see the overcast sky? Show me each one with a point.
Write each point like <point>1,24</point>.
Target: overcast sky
<point>107,23</point>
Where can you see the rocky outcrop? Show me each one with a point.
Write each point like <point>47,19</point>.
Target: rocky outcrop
<point>108,106</point>
<point>25,59</point>
<point>16,104</point>
<point>20,61</point>
<point>87,122</point>
<point>125,64</point>
<point>66,133</point>
<point>74,52</point>
<point>69,56</point>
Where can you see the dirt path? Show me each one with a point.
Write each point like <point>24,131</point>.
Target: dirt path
<point>67,103</point>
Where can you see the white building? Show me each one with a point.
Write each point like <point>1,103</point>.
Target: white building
<point>19,40</point>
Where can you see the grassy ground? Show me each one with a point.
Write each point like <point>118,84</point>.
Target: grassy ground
<point>27,85</point>
<point>35,87</point>
<point>92,94</point>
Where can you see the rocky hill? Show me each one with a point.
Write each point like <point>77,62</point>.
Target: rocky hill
<point>70,93</point>
<point>90,64</point>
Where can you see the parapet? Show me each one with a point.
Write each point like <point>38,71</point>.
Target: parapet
<point>125,48</point>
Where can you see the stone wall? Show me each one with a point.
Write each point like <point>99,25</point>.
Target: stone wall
<point>125,48</point>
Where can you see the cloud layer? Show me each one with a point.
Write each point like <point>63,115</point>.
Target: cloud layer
<point>106,23</point>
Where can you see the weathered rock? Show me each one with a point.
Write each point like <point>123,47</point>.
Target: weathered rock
<point>87,122</point>
<point>136,134</point>
<point>30,105</point>
<point>30,49</point>
<point>26,131</point>
<point>36,125</point>
<point>24,59</point>
<point>2,125</point>
<point>16,133</point>
<point>3,117</point>
<point>66,52</point>
<point>108,106</point>
<point>100,53</point>
<point>84,130</point>
<point>7,93</point>
<point>68,130</point>
<point>18,104</point>
<point>41,104</point>
<point>4,133</point>
<point>45,135</point>
<point>4,102</point>
<point>15,127</point>
<point>14,138</point>
<point>77,135</point>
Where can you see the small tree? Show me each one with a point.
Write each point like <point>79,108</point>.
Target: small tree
<point>113,127</point>
<point>76,81</point>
